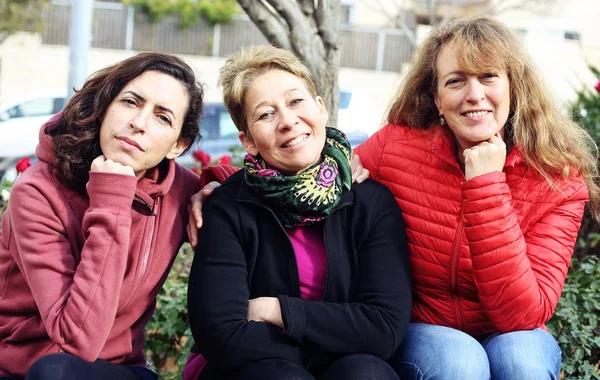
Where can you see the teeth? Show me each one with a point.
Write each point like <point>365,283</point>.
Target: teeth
<point>295,141</point>
<point>476,114</point>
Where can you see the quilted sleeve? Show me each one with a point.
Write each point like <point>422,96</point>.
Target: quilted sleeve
<point>75,298</point>
<point>519,277</point>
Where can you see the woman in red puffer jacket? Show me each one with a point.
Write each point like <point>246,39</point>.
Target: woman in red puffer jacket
<point>492,179</point>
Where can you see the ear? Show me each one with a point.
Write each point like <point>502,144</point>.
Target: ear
<point>180,145</point>
<point>321,105</point>
<point>437,102</point>
<point>248,143</point>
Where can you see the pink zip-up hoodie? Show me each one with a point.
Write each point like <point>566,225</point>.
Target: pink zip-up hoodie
<point>80,274</point>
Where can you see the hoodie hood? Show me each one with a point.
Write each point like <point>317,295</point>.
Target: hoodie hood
<point>45,149</point>
<point>157,181</point>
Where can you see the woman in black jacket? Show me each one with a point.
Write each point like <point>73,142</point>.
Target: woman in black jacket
<point>300,274</point>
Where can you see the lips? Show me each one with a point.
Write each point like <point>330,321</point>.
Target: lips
<point>130,142</point>
<point>295,141</point>
<point>478,113</point>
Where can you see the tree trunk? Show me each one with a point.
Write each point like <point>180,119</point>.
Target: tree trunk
<point>308,28</point>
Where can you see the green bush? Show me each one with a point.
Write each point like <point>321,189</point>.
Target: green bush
<point>189,11</point>
<point>5,187</point>
<point>575,321</point>
<point>168,334</point>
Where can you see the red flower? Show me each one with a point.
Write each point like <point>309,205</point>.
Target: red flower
<point>201,157</point>
<point>225,160</point>
<point>597,86</point>
<point>23,164</point>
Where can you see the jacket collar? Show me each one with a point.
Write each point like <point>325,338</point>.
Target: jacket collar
<point>443,145</point>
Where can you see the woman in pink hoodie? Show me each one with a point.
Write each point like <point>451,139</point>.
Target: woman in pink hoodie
<point>93,227</point>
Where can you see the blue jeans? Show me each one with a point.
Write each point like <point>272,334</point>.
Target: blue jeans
<point>441,353</point>
<point>351,367</point>
<point>63,366</point>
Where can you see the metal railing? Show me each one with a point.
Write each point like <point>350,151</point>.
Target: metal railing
<point>117,26</point>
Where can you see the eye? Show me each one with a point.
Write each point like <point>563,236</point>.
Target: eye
<point>489,76</point>
<point>265,116</point>
<point>128,101</point>
<point>296,102</point>
<point>453,82</point>
<point>165,119</point>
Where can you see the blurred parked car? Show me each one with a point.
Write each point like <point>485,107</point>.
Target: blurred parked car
<point>21,119</point>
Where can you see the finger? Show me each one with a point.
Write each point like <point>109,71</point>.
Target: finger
<point>192,240</point>
<point>197,214</point>
<point>355,166</point>
<point>97,161</point>
<point>496,139</point>
<point>210,187</point>
<point>363,176</point>
<point>100,158</point>
<point>191,230</point>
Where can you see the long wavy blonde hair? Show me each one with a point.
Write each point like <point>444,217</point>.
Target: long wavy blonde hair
<point>550,141</point>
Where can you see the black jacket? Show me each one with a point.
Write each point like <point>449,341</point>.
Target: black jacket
<point>245,253</point>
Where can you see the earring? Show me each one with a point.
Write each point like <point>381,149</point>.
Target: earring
<point>442,120</point>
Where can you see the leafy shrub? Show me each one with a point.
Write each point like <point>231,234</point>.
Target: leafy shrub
<point>586,111</point>
<point>189,11</point>
<point>5,187</point>
<point>168,334</point>
<point>575,321</point>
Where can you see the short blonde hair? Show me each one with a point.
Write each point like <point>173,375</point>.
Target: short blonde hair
<point>249,63</point>
<point>550,141</point>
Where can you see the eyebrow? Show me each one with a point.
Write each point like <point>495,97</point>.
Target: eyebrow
<point>453,73</point>
<point>286,92</point>
<point>160,107</point>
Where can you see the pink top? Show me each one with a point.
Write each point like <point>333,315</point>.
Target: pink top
<point>311,257</point>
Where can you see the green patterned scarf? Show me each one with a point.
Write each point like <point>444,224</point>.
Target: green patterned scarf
<point>310,196</point>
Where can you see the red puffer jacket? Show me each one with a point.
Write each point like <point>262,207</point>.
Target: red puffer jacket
<point>488,254</point>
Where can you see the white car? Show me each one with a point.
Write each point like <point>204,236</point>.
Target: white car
<point>21,119</point>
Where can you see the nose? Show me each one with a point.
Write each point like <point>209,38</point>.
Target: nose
<point>139,121</point>
<point>288,118</point>
<point>475,91</point>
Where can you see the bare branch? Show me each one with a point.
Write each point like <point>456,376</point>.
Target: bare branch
<point>327,16</point>
<point>307,7</point>
<point>302,34</point>
<point>292,15</point>
<point>268,23</point>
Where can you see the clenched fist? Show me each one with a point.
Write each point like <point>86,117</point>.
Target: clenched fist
<point>102,165</point>
<point>486,157</point>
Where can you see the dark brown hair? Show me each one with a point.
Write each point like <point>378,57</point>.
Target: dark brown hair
<point>77,138</point>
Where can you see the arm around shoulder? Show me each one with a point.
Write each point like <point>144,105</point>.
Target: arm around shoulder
<point>371,150</point>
